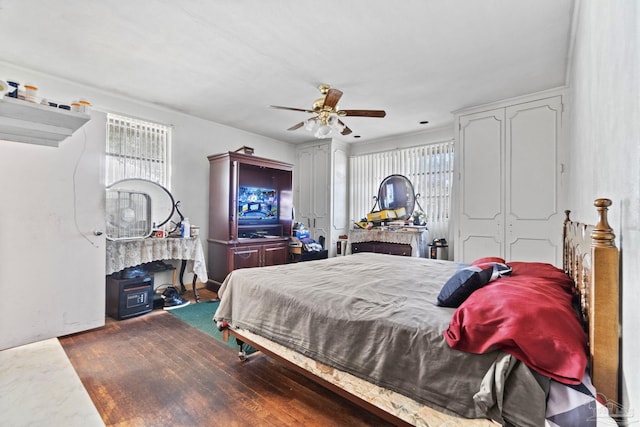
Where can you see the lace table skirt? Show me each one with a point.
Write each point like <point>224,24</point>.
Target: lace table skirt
<point>129,253</point>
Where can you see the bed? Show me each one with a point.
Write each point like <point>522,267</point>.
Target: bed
<point>513,352</point>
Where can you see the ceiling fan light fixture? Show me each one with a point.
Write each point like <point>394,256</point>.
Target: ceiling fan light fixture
<point>326,122</point>
<point>310,124</point>
<point>324,131</point>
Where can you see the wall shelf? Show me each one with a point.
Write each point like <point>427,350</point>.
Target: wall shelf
<point>24,121</point>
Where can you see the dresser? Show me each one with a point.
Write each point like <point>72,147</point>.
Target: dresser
<point>404,242</point>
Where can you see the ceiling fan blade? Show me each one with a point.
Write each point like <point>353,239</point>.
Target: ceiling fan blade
<point>332,98</point>
<point>363,113</point>
<point>345,130</point>
<point>291,108</point>
<point>296,126</point>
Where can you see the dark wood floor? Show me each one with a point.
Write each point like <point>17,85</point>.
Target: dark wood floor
<point>155,370</point>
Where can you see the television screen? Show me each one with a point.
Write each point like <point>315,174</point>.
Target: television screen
<point>257,205</point>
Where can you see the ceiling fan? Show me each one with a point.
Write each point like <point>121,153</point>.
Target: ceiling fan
<point>326,121</point>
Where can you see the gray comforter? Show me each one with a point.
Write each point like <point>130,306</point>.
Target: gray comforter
<point>375,317</point>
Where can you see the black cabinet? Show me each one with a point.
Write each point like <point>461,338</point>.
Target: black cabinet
<point>129,297</point>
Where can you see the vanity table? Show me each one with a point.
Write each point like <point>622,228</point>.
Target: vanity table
<point>129,253</point>
<point>149,206</point>
<point>396,195</point>
<point>405,242</point>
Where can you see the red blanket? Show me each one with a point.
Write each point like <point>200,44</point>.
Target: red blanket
<point>528,315</point>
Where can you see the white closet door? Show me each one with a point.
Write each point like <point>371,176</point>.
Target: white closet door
<point>340,199</point>
<point>313,175</point>
<point>533,219</point>
<point>321,179</point>
<point>482,181</point>
<point>305,188</point>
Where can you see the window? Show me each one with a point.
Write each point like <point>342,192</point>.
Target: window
<point>137,149</point>
<point>428,167</point>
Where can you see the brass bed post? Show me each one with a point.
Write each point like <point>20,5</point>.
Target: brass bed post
<point>604,330</point>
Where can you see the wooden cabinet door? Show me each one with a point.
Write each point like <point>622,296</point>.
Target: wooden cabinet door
<point>275,254</point>
<point>244,257</point>
<point>258,255</point>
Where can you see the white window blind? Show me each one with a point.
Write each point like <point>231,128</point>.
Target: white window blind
<point>137,149</point>
<point>428,167</point>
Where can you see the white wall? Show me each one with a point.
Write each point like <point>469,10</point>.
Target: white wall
<point>51,274</point>
<point>605,147</point>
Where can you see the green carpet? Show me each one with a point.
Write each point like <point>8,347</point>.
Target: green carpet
<point>200,316</point>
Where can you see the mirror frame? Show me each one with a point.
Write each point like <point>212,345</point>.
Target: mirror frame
<point>121,185</point>
<point>400,184</point>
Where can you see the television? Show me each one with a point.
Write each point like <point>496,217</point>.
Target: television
<point>257,205</point>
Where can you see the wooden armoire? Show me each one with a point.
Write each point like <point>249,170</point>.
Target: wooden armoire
<point>237,242</point>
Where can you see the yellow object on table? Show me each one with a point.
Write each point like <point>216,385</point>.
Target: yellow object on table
<point>381,215</point>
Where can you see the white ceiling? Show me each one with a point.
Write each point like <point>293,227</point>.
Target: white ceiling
<point>227,61</point>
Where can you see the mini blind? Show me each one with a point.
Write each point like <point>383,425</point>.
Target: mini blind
<point>428,167</point>
<point>137,149</point>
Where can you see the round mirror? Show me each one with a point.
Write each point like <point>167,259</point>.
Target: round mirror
<point>395,192</point>
<point>162,202</point>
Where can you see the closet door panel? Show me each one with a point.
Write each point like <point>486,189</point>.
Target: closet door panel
<point>533,249</point>
<point>481,161</point>
<point>321,180</point>
<point>481,217</point>
<point>475,246</point>
<point>340,199</point>
<point>532,215</point>
<point>304,202</point>
<point>532,136</point>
